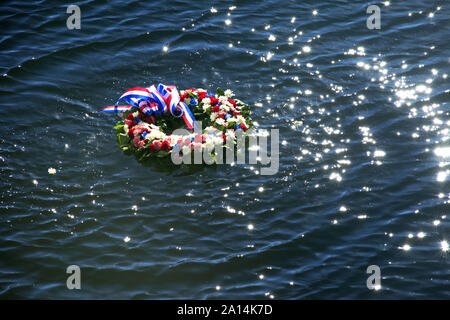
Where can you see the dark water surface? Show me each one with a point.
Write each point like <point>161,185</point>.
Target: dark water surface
<point>364,166</point>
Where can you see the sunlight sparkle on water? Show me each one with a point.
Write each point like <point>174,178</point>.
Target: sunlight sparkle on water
<point>444,245</point>
<point>405,247</point>
<point>335,176</point>
<point>442,176</point>
<point>379,153</point>
<point>442,152</point>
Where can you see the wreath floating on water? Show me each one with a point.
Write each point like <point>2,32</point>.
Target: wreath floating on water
<point>154,113</point>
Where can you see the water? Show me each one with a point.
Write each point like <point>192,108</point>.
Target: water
<point>364,167</point>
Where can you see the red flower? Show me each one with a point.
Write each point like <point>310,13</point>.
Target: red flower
<point>198,138</point>
<point>157,145</point>
<point>130,133</point>
<point>236,113</point>
<point>166,146</point>
<point>232,102</point>
<point>215,109</point>
<point>244,127</point>
<point>130,116</point>
<point>214,101</point>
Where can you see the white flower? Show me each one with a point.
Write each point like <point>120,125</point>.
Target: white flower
<point>230,134</point>
<point>206,106</point>
<point>218,141</point>
<point>136,114</point>
<point>229,93</point>
<point>210,129</point>
<point>225,107</point>
<point>223,99</point>
<point>213,116</point>
<point>187,100</point>
<point>155,134</point>
<point>240,119</point>
<point>144,125</point>
<point>174,139</point>
<point>125,127</point>
<point>206,101</point>
<point>209,145</point>
<point>220,121</point>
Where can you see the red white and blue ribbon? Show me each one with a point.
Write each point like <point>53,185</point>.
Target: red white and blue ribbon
<point>116,108</point>
<point>155,100</point>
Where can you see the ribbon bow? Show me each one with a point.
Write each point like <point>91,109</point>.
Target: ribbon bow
<point>155,100</point>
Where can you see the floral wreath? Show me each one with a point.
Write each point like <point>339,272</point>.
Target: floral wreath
<point>154,113</point>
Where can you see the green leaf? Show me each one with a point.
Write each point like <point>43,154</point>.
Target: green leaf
<point>220,92</point>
